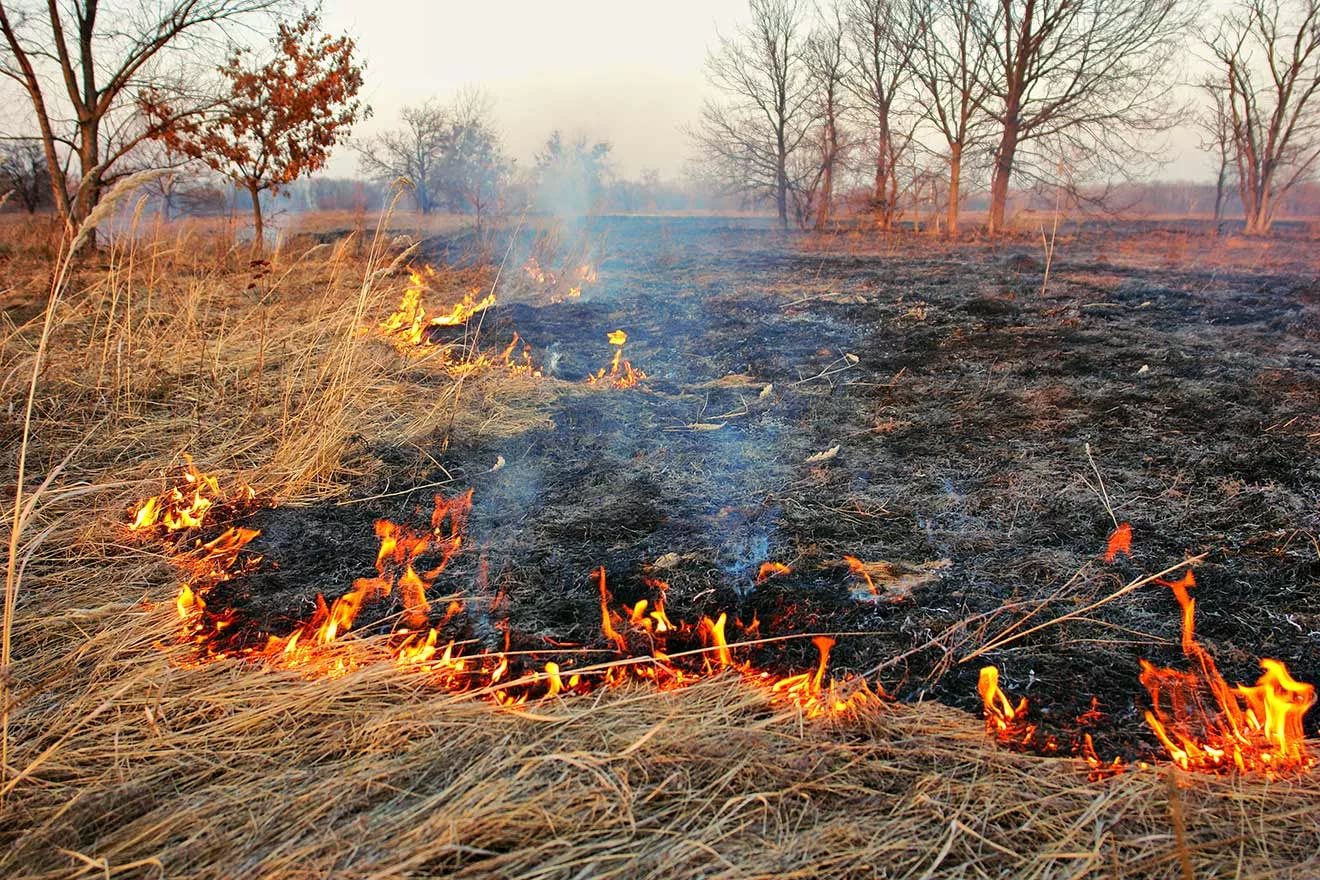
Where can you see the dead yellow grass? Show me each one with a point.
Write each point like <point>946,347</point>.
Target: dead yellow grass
<point>127,761</point>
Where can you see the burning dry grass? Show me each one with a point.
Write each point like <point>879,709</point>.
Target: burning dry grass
<point>126,759</point>
<point>134,764</point>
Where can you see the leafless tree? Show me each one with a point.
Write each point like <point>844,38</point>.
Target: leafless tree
<point>414,152</point>
<point>751,139</point>
<point>473,170</point>
<point>1269,69</point>
<point>83,64</point>
<point>828,64</point>
<point>881,49</point>
<point>950,65</point>
<point>1089,77</point>
<point>23,172</point>
<point>1216,125</point>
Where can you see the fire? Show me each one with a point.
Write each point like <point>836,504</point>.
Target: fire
<point>859,568</point>
<point>620,373</point>
<point>1004,720</point>
<point>562,286</point>
<point>409,323</point>
<point>770,570</point>
<point>396,561</point>
<point>1206,724</point>
<point>653,647</point>
<point>1202,722</point>
<point>182,506</point>
<point>1120,541</point>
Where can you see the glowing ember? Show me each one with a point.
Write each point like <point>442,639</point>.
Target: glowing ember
<point>1205,724</point>
<point>1120,542</point>
<point>620,373</point>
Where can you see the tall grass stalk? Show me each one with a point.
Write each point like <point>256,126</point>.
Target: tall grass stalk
<point>24,506</point>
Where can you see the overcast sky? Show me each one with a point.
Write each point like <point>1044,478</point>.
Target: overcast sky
<point>618,70</point>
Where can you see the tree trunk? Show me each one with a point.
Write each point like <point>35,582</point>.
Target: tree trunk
<point>258,226</point>
<point>878,196</point>
<point>1220,181</point>
<point>781,196</point>
<point>955,180</point>
<point>826,196</point>
<point>89,181</point>
<point>827,178</point>
<point>1003,172</point>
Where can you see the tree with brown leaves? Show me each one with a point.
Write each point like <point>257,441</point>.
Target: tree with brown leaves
<point>81,67</point>
<point>280,119</point>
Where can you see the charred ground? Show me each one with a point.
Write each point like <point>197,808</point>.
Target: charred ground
<point>961,393</point>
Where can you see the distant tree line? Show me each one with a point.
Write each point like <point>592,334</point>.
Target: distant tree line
<point>913,100</point>
<point>898,110</point>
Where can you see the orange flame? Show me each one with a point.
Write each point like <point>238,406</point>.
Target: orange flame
<point>620,373</point>
<point>319,647</point>
<point>182,506</point>
<point>1205,724</point>
<point>859,569</point>
<point>1003,720</point>
<point>408,324</point>
<point>771,570</point>
<point>1120,541</point>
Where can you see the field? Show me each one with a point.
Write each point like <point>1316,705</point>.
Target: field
<point>967,422</point>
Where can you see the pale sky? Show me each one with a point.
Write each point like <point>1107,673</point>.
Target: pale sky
<point>625,71</point>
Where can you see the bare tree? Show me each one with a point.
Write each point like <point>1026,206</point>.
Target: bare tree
<point>750,140</point>
<point>828,65</point>
<point>414,152</point>
<point>1269,59</point>
<point>1090,77</point>
<point>82,72</point>
<point>950,64</point>
<point>23,172</point>
<point>1216,124</point>
<point>473,169</point>
<point>881,48</point>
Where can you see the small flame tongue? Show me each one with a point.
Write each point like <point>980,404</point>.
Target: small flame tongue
<point>409,322</point>
<point>620,373</point>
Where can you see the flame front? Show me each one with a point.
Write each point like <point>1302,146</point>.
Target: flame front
<point>651,647</point>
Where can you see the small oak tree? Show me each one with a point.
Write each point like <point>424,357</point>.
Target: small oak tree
<point>279,120</point>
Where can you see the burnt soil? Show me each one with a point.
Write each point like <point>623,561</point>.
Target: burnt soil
<point>961,398</point>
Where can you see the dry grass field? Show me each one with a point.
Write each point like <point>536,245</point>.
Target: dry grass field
<point>128,754</point>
